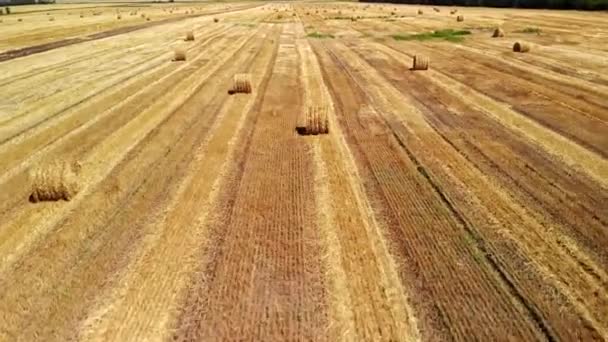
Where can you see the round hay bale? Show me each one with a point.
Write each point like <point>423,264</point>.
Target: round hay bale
<point>179,54</point>
<point>19,20</point>
<point>316,122</point>
<point>118,17</point>
<point>189,36</point>
<point>420,12</point>
<point>436,9</point>
<point>460,18</point>
<point>498,32</point>
<point>521,47</point>
<point>216,20</point>
<point>55,181</point>
<point>51,19</point>
<point>241,84</point>
<point>420,63</point>
<point>147,18</point>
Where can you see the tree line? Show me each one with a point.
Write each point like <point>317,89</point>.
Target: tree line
<point>553,4</point>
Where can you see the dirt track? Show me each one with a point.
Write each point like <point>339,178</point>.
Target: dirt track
<point>469,201</point>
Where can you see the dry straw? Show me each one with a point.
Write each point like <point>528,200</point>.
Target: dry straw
<point>521,47</point>
<point>54,181</point>
<point>420,62</point>
<point>241,84</point>
<point>179,54</point>
<point>498,32</point>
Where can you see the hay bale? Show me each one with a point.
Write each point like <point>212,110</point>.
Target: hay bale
<point>118,17</point>
<point>55,181</point>
<point>436,9</point>
<point>189,36</point>
<point>460,18</point>
<point>521,47</point>
<point>316,121</point>
<point>51,19</point>
<point>454,11</point>
<point>179,54</point>
<point>216,20</point>
<point>420,63</point>
<point>7,10</point>
<point>420,12</point>
<point>241,84</point>
<point>498,32</point>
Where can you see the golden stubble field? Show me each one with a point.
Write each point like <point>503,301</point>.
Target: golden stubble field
<point>345,197</point>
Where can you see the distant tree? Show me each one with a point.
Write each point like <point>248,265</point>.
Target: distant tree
<point>555,4</point>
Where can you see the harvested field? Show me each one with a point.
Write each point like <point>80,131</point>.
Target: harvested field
<point>306,171</point>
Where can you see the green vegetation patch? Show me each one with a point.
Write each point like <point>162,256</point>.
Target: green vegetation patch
<point>530,30</point>
<point>447,34</point>
<point>320,35</point>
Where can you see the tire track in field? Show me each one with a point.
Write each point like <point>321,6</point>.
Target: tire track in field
<point>413,222</point>
<point>515,239</point>
<point>262,279</point>
<point>91,245</point>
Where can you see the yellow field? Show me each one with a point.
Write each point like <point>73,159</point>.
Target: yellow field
<point>468,201</point>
